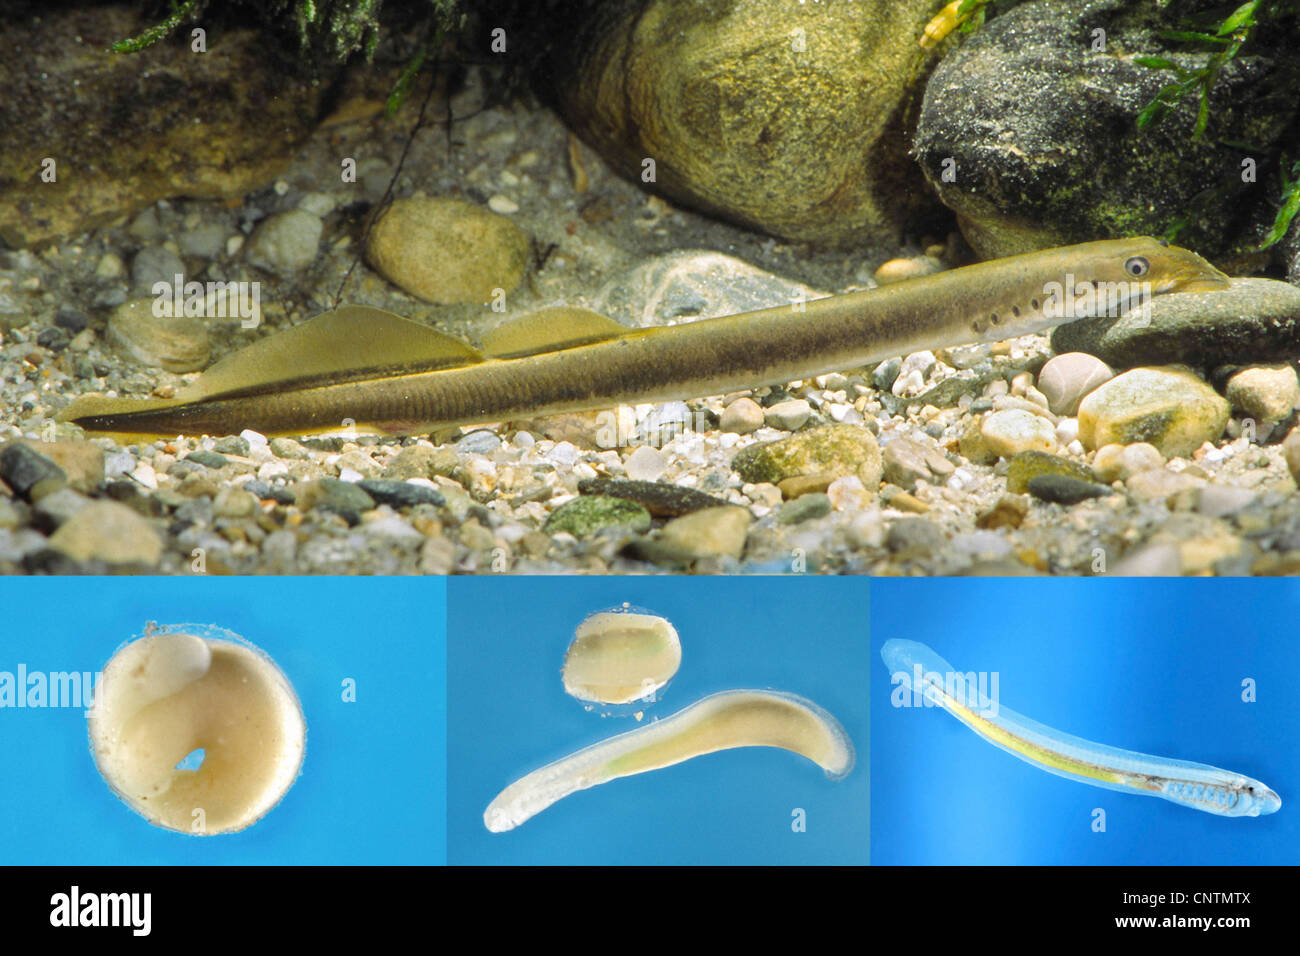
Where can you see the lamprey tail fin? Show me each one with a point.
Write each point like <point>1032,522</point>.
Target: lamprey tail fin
<point>349,343</point>
<point>94,406</point>
<point>550,330</point>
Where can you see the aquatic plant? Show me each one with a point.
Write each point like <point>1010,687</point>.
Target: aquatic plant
<point>327,30</point>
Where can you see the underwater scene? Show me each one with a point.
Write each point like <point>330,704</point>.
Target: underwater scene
<point>747,433</point>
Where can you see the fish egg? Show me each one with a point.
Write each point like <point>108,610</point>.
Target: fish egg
<point>196,729</point>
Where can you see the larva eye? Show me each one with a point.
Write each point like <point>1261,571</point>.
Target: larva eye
<point>1137,267</point>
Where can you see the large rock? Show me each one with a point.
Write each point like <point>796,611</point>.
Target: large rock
<point>1252,320</point>
<point>128,129</point>
<point>1040,129</point>
<point>789,118</point>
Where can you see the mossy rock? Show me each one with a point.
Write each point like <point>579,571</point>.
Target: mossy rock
<point>837,450</point>
<point>585,516</point>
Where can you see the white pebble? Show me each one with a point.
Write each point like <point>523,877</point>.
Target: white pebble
<point>503,204</point>
<point>645,464</point>
<point>144,474</point>
<point>1067,430</point>
<point>848,494</point>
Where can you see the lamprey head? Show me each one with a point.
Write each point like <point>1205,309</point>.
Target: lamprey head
<point>1257,800</point>
<point>1167,268</point>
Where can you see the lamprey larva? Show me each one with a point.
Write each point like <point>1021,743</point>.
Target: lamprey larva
<point>620,656</point>
<point>1194,785</point>
<point>196,729</point>
<point>733,718</point>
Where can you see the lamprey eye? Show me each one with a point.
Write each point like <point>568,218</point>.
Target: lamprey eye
<point>1137,267</point>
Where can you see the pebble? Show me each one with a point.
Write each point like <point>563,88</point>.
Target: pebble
<point>712,532</point>
<point>394,529</point>
<point>1008,432</point>
<point>1066,379</point>
<point>447,251</point>
<point>318,204</point>
<point>1065,489</point>
<point>1152,560</point>
<point>905,463</point>
<point>804,508</point>
<point>693,283</point>
<point>1028,465</point>
<point>1121,462</point>
<point>175,343</point>
<point>208,459</point>
<point>285,243</point>
<point>1291,452</point>
<point>203,241</point>
<point>234,502</point>
<point>345,499</point>
<point>1170,408</point>
<point>646,463</point>
<point>289,449</point>
<point>57,507</point>
<point>742,417</point>
<point>1008,511</point>
<point>401,494</point>
<point>659,498</point>
<point>788,416</point>
<point>482,441</point>
<point>898,270</point>
<point>1160,483</point>
<point>914,537</point>
<point>233,445</point>
<point>971,442</point>
<point>1267,394</point>
<point>503,204</point>
<point>589,514</point>
<point>848,494</point>
<point>30,474</point>
<point>110,532</point>
<point>1221,501</point>
<point>833,450</point>
<point>154,264</point>
<point>74,320</point>
<point>885,374</point>
<point>421,461</point>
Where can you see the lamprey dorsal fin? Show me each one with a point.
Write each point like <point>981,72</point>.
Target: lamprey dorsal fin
<point>351,342</point>
<point>550,330</point>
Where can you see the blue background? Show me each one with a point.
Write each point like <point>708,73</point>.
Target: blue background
<point>508,715</point>
<point>1148,665</point>
<point>371,783</point>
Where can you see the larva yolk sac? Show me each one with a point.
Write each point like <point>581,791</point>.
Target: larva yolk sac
<point>173,693</point>
<point>620,656</point>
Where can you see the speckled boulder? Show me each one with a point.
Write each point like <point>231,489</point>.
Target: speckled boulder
<point>789,118</point>
<point>1036,130</point>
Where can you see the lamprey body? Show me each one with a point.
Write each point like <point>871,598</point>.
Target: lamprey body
<point>733,718</point>
<point>380,372</point>
<point>920,670</point>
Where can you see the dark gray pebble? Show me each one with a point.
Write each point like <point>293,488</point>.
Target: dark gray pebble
<point>1064,489</point>
<point>401,494</point>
